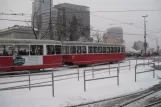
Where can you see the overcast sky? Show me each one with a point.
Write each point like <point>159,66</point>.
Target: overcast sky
<point>154,17</point>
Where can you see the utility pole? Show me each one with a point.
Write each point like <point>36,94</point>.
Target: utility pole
<point>145,43</point>
<point>157,46</point>
<point>50,23</point>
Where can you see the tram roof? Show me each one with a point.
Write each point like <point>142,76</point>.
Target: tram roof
<point>89,43</point>
<point>28,41</point>
<point>36,41</point>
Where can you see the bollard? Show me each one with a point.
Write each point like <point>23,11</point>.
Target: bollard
<point>109,69</point>
<point>135,72</point>
<point>158,62</point>
<point>148,61</point>
<point>154,70</point>
<point>78,73</point>
<point>92,71</point>
<point>53,82</point>
<point>117,76</point>
<point>129,65</point>
<point>84,81</point>
<point>136,61</point>
<point>29,81</point>
<point>118,64</point>
<point>153,73</point>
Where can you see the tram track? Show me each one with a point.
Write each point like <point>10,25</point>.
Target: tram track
<point>124,100</point>
<point>155,104</point>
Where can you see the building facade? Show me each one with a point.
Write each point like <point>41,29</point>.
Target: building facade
<point>139,45</point>
<point>17,32</point>
<point>69,21</point>
<point>113,36</point>
<point>76,18</point>
<point>41,18</point>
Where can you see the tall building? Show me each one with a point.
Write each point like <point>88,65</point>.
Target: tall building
<point>113,36</point>
<point>41,18</point>
<point>139,45</point>
<point>76,18</point>
<point>69,21</point>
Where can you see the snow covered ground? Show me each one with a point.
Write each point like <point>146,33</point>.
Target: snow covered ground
<point>71,91</point>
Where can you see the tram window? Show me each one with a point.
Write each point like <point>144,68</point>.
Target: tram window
<point>115,50</point>
<point>6,50</point>
<point>79,49</point>
<point>108,49</point>
<point>58,49</point>
<point>99,49</point>
<point>36,49</point>
<point>90,49</point>
<point>21,49</point>
<point>122,49</point>
<point>95,49</point>
<point>104,49</point>
<point>50,49</point>
<point>118,49</point>
<point>84,49</point>
<point>73,49</point>
<point>66,49</point>
<point>112,50</point>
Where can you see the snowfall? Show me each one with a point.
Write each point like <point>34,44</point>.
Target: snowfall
<point>69,91</point>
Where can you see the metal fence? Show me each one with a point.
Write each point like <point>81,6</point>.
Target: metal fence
<point>129,65</point>
<point>94,70</point>
<point>29,85</point>
<point>150,70</point>
<point>54,77</point>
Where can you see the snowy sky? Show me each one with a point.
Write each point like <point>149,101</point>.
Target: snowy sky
<point>154,17</point>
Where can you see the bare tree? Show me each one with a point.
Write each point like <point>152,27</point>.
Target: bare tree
<point>97,36</point>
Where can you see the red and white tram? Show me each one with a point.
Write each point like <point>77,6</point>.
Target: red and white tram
<point>28,54</point>
<point>84,53</point>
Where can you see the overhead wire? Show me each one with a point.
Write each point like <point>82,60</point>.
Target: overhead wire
<point>126,23</point>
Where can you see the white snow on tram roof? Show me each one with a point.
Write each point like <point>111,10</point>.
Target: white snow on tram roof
<point>88,43</point>
<point>36,41</point>
<point>28,41</point>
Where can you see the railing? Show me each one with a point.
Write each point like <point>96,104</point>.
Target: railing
<point>12,67</point>
<point>94,70</point>
<point>129,65</point>
<point>150,70</point>
<point>52,73</point>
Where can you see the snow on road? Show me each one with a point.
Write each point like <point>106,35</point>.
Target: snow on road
<point>71,91</point>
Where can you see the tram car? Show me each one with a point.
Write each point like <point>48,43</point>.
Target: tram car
<point>29,54</point>
<point>84,53</point>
